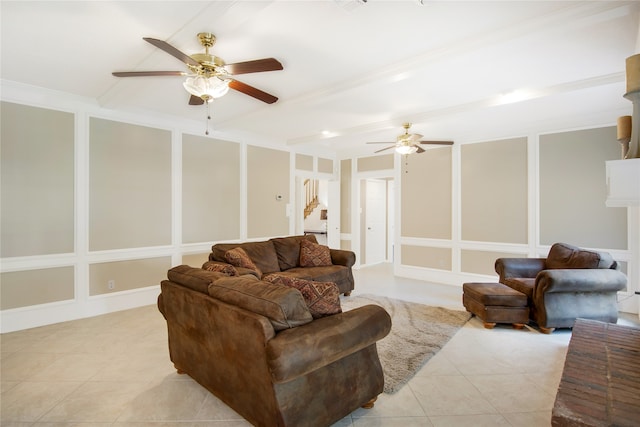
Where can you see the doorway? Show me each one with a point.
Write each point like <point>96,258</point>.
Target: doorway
<point>376,220</point>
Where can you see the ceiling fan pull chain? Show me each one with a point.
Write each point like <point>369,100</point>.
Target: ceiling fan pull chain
<point>208,119</point>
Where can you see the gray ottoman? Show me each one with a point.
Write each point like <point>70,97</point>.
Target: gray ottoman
<point>495,303</point>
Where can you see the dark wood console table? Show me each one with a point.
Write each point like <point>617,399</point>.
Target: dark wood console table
<point>600,383</point>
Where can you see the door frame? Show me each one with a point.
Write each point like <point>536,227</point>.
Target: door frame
<point>358,239</point>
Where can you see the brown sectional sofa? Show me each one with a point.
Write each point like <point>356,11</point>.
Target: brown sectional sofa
<point>282,255</point>
<point>255,345</point>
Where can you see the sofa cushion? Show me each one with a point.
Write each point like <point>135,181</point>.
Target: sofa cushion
<point>283,306</point>
<point>288,250</point>
<point>322,298</point>
<point>193,278</point>
<point>239,258</point>
<point>314,255</point>
<point>263,254</point>
<point>563,255</point>
<point>226,269</point>
<point>330,273</point>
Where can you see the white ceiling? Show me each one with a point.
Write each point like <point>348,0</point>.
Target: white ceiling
<point>355,69</point>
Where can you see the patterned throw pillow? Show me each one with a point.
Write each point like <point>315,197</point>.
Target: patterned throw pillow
<point>322,298</point>
<point>314,255</point>
<point>239,258</point>
<point>227,269</point>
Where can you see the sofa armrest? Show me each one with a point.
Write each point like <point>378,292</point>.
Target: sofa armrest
<point>579,280</point>
<point>298,351</point>
<point>342,257</point>
<point>518,267</point>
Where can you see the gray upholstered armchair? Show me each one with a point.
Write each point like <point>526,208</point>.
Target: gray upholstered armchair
<point>569,283</point>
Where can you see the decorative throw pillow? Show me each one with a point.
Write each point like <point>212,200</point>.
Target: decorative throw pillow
<point>314,255</point>
<point>322,298</point>
<point>239,258</point>
<point>227,269</point>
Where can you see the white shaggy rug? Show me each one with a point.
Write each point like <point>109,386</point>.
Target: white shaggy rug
<point>417,333</point>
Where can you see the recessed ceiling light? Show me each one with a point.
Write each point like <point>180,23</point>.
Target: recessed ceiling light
<point>515,96</point>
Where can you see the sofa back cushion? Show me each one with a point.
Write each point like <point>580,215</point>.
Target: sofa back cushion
<point>194,278</point>
<point>563,255</point>
<point>263,254</point>
<point>282,305</point>
<point>288,250</point>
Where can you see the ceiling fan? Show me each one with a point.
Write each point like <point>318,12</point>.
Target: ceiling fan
<point>407,143</point>
<point>209,77</point>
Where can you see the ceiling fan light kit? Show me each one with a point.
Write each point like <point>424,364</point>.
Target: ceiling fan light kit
<point>206,88</point>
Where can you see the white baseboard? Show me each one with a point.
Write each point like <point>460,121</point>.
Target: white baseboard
<point>47,314</point>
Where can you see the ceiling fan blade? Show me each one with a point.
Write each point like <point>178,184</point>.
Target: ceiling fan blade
<point>161,44</point>
<point>437,142</point>
<point>195,100</point>
<point>256,66</point>
<point>419,149</point>
<point>252,91</point>
<point>148,73</point>
<point>387,148</point>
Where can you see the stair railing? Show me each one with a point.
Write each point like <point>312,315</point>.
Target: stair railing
<point>310,195</point>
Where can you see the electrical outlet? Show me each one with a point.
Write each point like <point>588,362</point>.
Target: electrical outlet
<point>111,284</point>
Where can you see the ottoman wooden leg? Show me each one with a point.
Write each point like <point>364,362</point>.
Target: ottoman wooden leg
<point>546,330</point>
<point>489,325</point>
<point>518,325</point>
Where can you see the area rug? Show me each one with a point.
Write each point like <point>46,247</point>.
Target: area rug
<point>417,333</point>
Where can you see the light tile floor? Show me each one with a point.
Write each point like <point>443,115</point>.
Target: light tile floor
<point>114,370</point>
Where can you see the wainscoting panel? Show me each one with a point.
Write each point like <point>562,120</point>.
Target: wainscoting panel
<point>33,287</point>
<point>210,189</point>
<point>37,176</point>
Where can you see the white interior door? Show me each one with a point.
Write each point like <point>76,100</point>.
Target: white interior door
<point>333,214</point>
<point>375,221</point>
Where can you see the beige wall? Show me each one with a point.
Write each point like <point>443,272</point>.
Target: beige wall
<point>304,162</point>
<point>482,262</point>
<point>37,178</point>
<point>325,165</point>
<point>573,190</point>
<point>426,195</point>
<point>267,177</point>
<point>195,260</point>
<point>127,275</point>
<point>494,191</point>
<point>39,286</point>
<point>130,186</point>
<point>374,163</point>
<point>422,256</point>
<point>210,190</point>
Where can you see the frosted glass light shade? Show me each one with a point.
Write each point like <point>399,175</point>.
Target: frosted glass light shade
<point>206,88</point>
<point>406,149</point>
